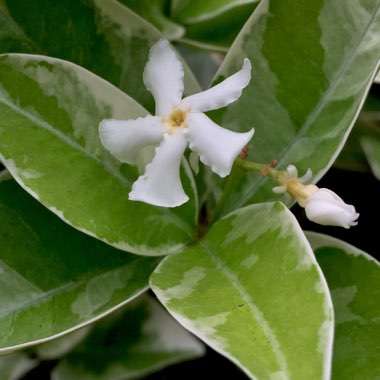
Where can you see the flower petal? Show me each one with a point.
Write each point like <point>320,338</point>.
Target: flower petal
<point>306,177</point>
<point>220,95</point>
<point>292,171</point>
<point>163,77</point>
<point>327,208</point>
<point>161,185</point>
<point>217,147</point>
<point>125,138</point>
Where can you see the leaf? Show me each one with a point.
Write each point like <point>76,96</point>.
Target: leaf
<point>101,35</point>
<point>353,278</point>
<point>49,142</point>
<point>206,33</point>
<point>194,11</point>
<point>253,291</point>
<point>212,25</point>
<point>313,63</point>
<point>140,339</point>
<point>371,147</point>
<point>154,12</point>
<point>55,279</point>
<point>197,23</point>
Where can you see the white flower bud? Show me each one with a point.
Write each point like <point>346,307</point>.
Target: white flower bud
<point>327,208</point>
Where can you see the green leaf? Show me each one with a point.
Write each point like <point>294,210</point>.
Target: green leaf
<point>353,278</point>
<point>206,33</point>
<point>49,142</point>
<point>313,63</point>
<point>253,291</point>
<point>55,279</point>
<point>136,341</point>
<point>371,147</point>
<point>194,11</point>
<point>212,25</point>
<point>101,35</point>
<point>154,12</point>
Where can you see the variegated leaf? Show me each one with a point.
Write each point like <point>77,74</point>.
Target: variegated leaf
<point>103,36</point>
<point>55,279</point>
<point>140,339</point>
<point>353,278</point>
<point>313,63</point>
<point>49,141</point>
<point>253,291</point>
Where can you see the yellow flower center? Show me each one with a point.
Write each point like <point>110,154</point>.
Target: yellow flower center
<point>177,119</point>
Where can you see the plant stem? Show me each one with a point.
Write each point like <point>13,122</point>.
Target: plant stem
<point>262,169</point>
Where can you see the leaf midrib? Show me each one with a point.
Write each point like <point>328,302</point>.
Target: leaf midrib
<point>182,224</point>
<point>65,139</point>
<point>67,286</point>
<point>255,311</point>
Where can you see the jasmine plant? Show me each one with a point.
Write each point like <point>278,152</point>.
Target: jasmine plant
<point>146,214</point>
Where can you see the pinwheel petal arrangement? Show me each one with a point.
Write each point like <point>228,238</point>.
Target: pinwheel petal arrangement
<point>159,163</point>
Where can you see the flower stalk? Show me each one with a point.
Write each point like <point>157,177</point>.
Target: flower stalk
<point>322,206</point>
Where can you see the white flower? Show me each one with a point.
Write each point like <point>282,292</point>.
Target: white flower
<point>322,206</point>
<point>327,208</point>
<point>178,123</point>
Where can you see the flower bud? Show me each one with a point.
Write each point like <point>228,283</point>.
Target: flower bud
<point>327,208</point>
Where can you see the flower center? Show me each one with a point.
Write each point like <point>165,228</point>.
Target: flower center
<point>177,119</point>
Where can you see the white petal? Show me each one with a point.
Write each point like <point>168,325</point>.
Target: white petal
<point>306,177</point>
<point>327,208</point>
<point>163,77</point>
<point>125,138</point>
<point>292,171</point>
<point>161,185</point>
<point>220,95</point>
<point>217,147</point>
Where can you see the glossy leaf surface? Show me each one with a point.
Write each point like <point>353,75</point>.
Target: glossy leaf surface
<point>55,279</point>
<point>154,12</point>
<point>103,36</point>
<point>353,278</point>
<point>193,11</point>
<point>313,63</point>
<point>253,291</point>
<point>49,141</point>
<point>140,339</point>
